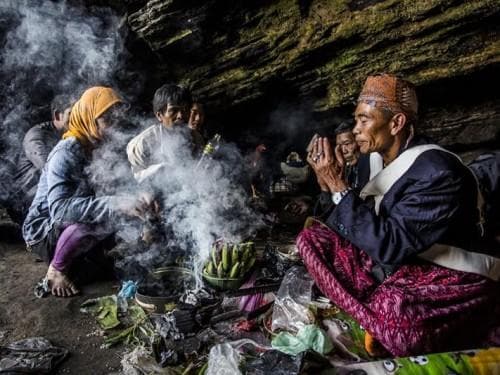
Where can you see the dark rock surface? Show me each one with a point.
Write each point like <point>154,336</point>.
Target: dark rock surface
<point>244,57</point>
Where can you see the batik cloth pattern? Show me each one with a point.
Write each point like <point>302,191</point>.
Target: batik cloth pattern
<point>469,362</point>
<point>420,308</point>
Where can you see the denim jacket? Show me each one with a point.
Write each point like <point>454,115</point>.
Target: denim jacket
<point>63,196</point>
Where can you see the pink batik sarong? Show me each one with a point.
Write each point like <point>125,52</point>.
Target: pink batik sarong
<point>418,309</point>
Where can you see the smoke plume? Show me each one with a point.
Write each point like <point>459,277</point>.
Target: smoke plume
<point>51,48</point>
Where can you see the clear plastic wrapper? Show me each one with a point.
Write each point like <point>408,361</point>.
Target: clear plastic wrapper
<point>224,359</point>
<point>291,306</point>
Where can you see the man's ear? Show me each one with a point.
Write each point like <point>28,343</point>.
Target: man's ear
<point>397,123</point>
<point>158,116</point>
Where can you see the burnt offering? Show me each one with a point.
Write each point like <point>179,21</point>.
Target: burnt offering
<point>163,286</point>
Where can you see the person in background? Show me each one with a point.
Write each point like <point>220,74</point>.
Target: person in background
<point>344,139</point>
<point>197,119</point>
<point>66,220</point>
<point>396,255</point>
<point>37,144</point>
<point>486,168</point>
<point>151,150</point>
<point>347,146</point>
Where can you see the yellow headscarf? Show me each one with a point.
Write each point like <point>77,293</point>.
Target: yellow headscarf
<point>93,103</point>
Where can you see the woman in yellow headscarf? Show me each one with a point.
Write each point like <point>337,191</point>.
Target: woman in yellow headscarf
<point>90,115</point>
<point>66,220</point>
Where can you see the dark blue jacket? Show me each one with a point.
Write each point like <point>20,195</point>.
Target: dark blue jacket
<point>433,202</point>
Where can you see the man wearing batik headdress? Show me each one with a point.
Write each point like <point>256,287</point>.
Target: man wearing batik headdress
<point>394,253</point>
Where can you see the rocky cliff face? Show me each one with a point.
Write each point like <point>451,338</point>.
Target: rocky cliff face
<point>246,57</point>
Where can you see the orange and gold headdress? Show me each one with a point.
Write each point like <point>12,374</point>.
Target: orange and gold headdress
<point>390,92</point>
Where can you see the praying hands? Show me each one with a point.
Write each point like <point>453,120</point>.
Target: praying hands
<point>327,164</point>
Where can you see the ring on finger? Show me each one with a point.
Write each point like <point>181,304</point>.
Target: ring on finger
<point>315,159</point>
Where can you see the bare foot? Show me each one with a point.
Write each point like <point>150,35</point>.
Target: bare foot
<point>59,283</point>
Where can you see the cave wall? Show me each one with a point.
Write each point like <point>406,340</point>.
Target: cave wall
<point>245,58</point>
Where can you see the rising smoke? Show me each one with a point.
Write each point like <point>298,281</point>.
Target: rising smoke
<point>201,202</point>
<point>56,47</point>
<point>51,48</point>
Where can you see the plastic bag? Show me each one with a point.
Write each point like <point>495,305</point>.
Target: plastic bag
<point>291,306</point>
<point>224,359</point>
<point>128,289</point>
<point>308,337</point>
<point>140,361</point>
<point>32,355</point>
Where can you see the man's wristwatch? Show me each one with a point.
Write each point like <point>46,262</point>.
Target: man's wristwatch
<point>338,195</point>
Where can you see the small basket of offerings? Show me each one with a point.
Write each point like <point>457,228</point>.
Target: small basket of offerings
<point>229,264</point>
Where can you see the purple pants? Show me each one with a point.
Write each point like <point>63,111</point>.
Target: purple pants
<point>75,240</point>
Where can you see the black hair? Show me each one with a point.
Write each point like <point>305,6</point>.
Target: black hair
<point>411,118</point>
<point>60,103</point>
<point>343,127</point>
<point>171,94</point>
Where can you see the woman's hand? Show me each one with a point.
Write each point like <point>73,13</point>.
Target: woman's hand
<point>143,206</point>
<point>146,207</point>
<point>328,164</point>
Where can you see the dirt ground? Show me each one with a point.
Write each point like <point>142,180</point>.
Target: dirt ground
<point>22,315</point>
